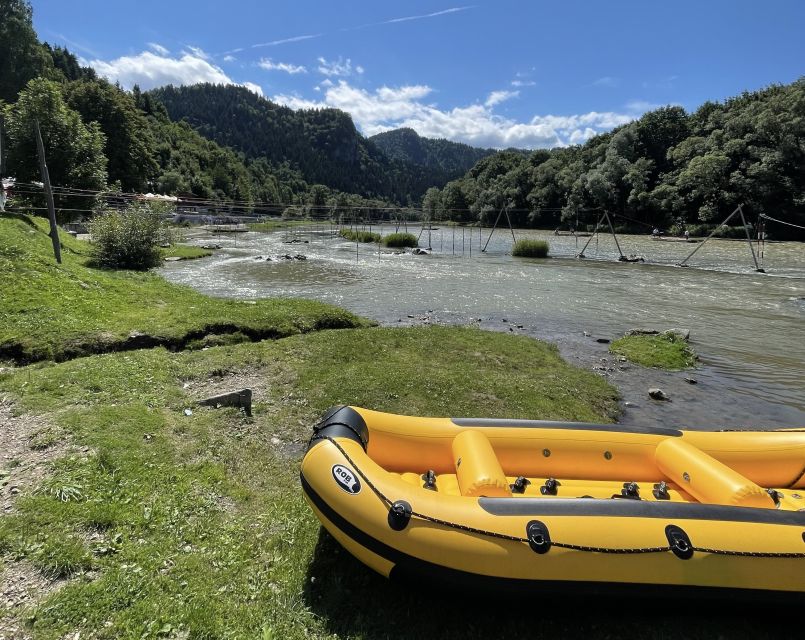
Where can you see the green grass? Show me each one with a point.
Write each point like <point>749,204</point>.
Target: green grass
<point>185,252</point>
<point>359,236</point>
<point>400,240</point>
<point>661,351</point>
<point>274,225</point>
<point>528,248</point>
<point>51,311</point>
<point>197,523</point>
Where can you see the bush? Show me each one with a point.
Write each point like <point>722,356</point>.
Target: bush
<point>359,236</point>
<point>400,240</point>
<point>530,249</point>
<point>129,239</point>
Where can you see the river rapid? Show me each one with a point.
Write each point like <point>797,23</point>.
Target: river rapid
<point>748,328</point>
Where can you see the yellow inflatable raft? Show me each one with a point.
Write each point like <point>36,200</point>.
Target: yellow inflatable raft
<point>525,504</point>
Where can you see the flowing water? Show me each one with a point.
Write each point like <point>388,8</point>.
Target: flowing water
<point>748,327</point>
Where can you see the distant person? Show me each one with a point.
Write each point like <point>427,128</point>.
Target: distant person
<point>656,232</point>
<point>687,235</point>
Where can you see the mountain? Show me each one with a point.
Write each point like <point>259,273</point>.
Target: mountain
<point>444,159</point>
<point>322,144</point>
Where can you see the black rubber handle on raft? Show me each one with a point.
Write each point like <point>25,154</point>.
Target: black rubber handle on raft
<point>341,422</point>
<point>681,546</point>
<point>538,537</point>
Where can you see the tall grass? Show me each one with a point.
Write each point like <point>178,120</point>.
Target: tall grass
<point>359,236</point>
<point>530,249</point>
<point>400,240</point>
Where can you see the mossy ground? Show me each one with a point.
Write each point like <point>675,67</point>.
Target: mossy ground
<point>661,351</point>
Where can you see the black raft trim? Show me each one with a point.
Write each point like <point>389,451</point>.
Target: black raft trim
<point>573,426</point>
<point>416,571</point>
<point>341,422</point>
<point>637,509</point>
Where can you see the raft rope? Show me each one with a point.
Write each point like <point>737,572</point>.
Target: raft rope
<point>562,545</point>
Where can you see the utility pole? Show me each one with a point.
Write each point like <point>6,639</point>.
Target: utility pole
<point>54,229</point>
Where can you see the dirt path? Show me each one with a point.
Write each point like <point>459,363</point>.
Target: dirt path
<point>28,446</point>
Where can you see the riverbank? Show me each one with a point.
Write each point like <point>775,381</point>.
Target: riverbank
<point>59,312</point>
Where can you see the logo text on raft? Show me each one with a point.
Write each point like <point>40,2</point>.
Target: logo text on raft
<point>346,479</point>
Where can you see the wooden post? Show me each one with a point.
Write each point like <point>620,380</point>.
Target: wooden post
<point>54,229</point>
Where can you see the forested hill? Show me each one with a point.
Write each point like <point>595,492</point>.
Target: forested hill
<point>668,169</point>
<point>443,158</point>
<point>323,144</point>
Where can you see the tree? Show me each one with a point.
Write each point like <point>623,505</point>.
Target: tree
<point>22,55</point>
<point>129,145</point>
<point>431,203</point>
<point>74,150</point>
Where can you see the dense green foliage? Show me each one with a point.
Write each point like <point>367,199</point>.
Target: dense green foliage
<point>322,144</point>
<point>23,58</point>
<point>74,149</point>
<point>667,168</point>
<point>128,239</point>
<point>443,159</point>
<point>400,240</point>
<point>129,142</point>
<point>50,311</point>
<point>528,248</point>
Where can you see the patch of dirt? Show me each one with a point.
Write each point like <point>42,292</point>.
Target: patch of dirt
<point>28,445</point>
<point>224,381</point>
<point>27,453</point>
<point>21,588</point>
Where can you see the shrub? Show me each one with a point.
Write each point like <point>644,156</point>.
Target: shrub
<point>359,236</point>
<point>400,240</point>
<point>530,249</point>
<point>129,239</point>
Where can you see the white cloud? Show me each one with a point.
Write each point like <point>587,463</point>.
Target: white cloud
<point>606,81</point>
<point>197,52</point>
<point>426,15</point>
<point>163,51</point>
<point>150,70</point>
<point>229,58</point>
<point>496,97</point>
<point>254,88</point>
<point>287,67</point>
<point>274,43</point>
<point>337,68</point>
<point>393,107</point>
<point>523,83</point>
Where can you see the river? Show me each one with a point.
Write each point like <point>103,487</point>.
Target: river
<point>748,328</point>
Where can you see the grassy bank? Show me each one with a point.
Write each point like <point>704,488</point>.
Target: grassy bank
<point>661,351</point>
<point>185,252</point>
<point>275,225</point>
<point>52,311</point>
<point>169,525</point>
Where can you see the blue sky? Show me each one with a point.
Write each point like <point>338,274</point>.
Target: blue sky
<point>490,73</point>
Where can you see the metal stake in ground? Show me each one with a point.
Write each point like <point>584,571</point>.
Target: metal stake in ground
<point>54,229</point>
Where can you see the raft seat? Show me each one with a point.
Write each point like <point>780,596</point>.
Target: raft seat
<point>707,479</point>
<point>478,469</point>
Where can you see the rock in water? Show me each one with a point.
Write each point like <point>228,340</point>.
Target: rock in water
<point>658,394</point>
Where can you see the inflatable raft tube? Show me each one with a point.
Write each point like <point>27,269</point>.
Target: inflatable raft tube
<point>525,505</point>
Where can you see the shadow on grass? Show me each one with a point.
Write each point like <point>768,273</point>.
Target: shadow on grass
<point>354,601</point>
